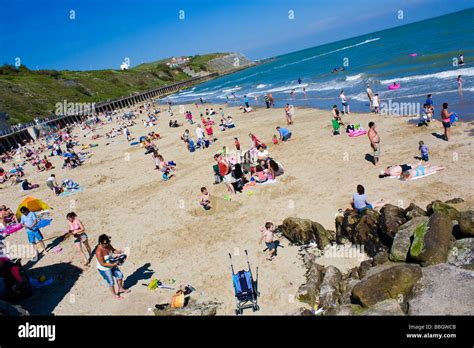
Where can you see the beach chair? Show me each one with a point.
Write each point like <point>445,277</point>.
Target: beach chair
<point>246,289</point>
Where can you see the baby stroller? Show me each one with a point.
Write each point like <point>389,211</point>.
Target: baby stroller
<point>246,291</point>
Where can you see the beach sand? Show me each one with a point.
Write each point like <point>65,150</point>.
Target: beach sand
<point>164,229</point>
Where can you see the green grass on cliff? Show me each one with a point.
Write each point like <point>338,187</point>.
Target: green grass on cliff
<point>26,92</point>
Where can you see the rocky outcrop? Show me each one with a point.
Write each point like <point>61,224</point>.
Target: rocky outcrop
<point>360,230</point>
<point>391,283</point>
<point>386,307</point>
<point>431,241</point>
<point>454,200</point>
<point>414,211</point>
<point>461,253</point>
<point>304,231</point>
<point>331,290</point>
<point>466,222</point>
<point>309,291</point>
<point>443,290</point>
<point>440,207</point>
<point>391,218</point>
<point>402,240</point>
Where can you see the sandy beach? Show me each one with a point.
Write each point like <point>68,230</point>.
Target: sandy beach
<point>165,231</point>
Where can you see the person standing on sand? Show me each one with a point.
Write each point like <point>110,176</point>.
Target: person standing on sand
<point>29,221</point>
<point>76,228</point>
<point>267,101</point>
<point>268,235</point>
<point>126,132</point>
<point>370,95</point>
<point>446,119</point>
<point>246,101</point>
<point>109,271</point>
<point>289,112</point>
<point>345,103</point>
<point>374,142</point>
<point>225,172</point>
<point>272,101</point>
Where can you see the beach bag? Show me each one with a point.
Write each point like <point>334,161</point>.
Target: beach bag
<point>177,301</point>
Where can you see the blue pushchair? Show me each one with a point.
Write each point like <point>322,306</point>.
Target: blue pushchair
<point>246,290</point>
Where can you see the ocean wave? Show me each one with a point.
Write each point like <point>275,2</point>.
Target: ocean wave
<point>355,77</point>
<point>262,85</point>
<point>330,52</point>
<point>440,75</point>
<point>233,89</point>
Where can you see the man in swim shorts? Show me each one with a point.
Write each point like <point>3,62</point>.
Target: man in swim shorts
<point>374,142</point>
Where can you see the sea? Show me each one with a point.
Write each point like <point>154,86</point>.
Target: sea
<point>420,57</point>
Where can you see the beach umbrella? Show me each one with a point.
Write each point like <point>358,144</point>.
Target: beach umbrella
<point>33,204</point>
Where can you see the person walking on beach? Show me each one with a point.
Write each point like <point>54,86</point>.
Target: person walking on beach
<point>29,221</point>
<point>374,142</point>
<point>76,228</point>
<point>272,101</point>
<point>446,119</point>
<point>225,172</point>
<point>289,112</point>
<point>108,267</point>
<point>429,100</point>
<point>370,95</point>
<point>126,132</point>
<point>267,101</point>
<point>345,103</point>
<point>268,236</point>
<point>246,101</point>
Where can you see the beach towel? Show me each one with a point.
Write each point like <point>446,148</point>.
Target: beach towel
<point>71,192</point>
<point>44,223</point>
<point>422,176</point>
<point>269,181</point>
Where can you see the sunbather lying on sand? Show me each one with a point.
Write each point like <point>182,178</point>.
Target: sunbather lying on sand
<point>396,170</point>
<point>421,170</point>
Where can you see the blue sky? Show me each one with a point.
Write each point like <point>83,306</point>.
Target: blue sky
<point>104,32</point>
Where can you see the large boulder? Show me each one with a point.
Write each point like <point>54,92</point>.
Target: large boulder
<point>303,231</point>
<point>414,211</point>
<point>331,290</point>
<point>440,207</point>
<point>360,230</point>
<point>466,222</point>
<point>443,290</point>
<point>432,240</point>
<point>461,252</point>
<point>386,307</point>
<point>309,291</point>
<point>391,218</point>
<point>391,283</point>
<point>402,240</point>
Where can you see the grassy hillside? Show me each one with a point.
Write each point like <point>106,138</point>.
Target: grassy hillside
<point>24,92</point>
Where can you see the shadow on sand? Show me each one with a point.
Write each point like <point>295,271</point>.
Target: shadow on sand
<point>44,300</point>
<point>141,273</point>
